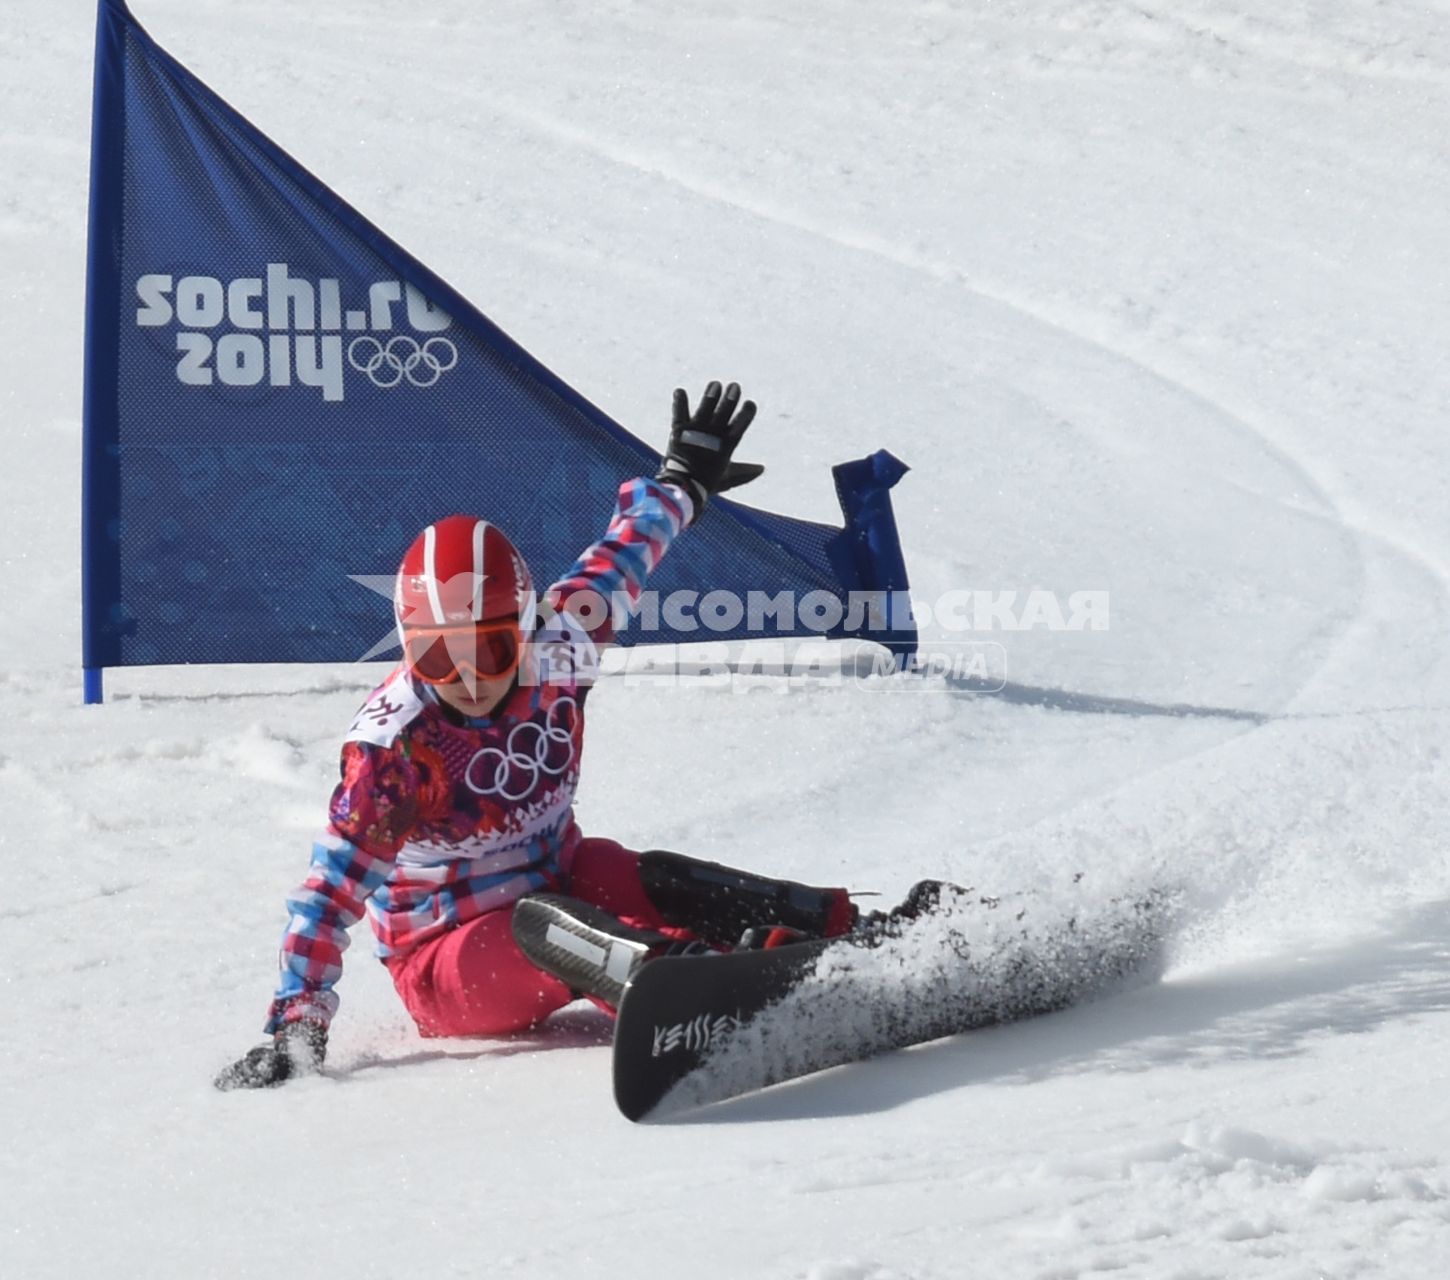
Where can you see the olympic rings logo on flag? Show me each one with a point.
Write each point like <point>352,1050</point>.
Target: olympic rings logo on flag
<point>533,751</point>
<point>388,363</point>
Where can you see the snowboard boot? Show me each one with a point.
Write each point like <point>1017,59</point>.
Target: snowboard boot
<point>585,947</point>
<point>719,903</point>
<point>921,899</point>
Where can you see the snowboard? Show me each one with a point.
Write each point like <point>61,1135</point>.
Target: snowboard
<point>694,1030</point>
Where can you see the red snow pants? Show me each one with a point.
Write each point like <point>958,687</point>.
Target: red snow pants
<point>474,980</point>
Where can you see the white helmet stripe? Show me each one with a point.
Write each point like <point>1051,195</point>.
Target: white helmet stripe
<point>430,572</point>
<point>479,529</point>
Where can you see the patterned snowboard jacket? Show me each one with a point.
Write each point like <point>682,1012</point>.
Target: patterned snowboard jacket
<point>436,821</point>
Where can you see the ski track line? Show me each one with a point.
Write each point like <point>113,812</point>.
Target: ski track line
<point>889,252</point>
<point>1342,52</point>
<point>1174,380</point>
<point>885,250</point>
<point>1360,526</point>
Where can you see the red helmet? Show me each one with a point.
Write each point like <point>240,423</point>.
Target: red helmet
<point>463,602</point>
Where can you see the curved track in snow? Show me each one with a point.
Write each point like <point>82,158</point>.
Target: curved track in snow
<point>1150,300</point>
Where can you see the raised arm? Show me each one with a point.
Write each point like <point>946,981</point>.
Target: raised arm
<point>603,587</point>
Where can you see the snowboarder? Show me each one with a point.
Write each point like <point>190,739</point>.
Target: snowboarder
<point>457,785</point>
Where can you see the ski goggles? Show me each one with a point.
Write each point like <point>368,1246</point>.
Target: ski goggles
<point>446,655</point>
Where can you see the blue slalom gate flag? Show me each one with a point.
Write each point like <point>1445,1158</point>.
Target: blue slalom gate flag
<point>278,397</point>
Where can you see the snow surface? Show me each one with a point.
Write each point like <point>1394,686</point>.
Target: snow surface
<point>1154,298</point>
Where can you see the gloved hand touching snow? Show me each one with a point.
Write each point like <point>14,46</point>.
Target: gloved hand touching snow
<point>298,1049</point>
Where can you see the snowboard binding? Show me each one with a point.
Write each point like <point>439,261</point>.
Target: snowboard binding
<point>720,904</point>
<point>597,954</point>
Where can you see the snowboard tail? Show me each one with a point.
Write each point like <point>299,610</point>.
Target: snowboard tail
<point>675,1010</point>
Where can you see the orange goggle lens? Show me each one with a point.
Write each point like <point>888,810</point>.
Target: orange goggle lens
<point>444,655</point>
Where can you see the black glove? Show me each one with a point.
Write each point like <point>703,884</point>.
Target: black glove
<point>298,1049</point>
<point>701,444</point>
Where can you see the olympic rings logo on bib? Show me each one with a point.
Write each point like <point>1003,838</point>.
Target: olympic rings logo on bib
<point>388,363</point>
<point>533,751</point>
